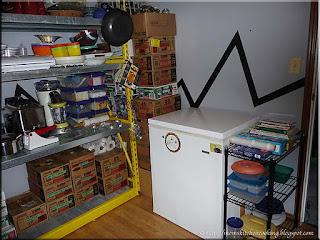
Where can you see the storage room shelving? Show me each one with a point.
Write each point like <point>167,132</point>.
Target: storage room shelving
<point>67,222</point>
<point>281,191</point>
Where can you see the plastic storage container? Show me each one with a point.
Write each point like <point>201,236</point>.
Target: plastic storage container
<point>234,228</point>
<point>277,219</point>
<point>252,186</point>
<point>282,173</point>
<point>97,113</point>
<point>277,206</point>
<point>79,107</point>
<point>97,91</point>
<point>248,170</point>
<point>75,81</point>
<point>96,78</point>
<point>256,227</point>
<point>99,103</point>
<point>80,117</point>
<point>251,197</point>
<point>75,94</point>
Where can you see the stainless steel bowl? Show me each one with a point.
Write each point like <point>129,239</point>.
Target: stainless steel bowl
<point>11,143</point>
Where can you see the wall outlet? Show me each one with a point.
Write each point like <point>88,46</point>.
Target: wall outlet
<point>295,64</point>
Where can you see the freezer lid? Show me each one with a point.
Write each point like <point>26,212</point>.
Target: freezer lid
<point>210,122</point>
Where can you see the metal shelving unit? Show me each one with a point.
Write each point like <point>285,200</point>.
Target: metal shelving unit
<point>31,23</point>
<point>75,138</point>
<point>56,72</point>
<point>73,219</point>
<point>275,190</point>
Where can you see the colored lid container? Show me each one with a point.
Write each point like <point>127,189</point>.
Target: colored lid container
<point>255,183</point>
<point>80,115</point>
<point>277,206</point>
<point>256,227</point>
<point>235,222</point>
<point>98,87</point>
<point>247,167</point>
<point>82,89</point>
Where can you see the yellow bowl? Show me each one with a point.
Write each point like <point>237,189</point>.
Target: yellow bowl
<point>74,50</point>
<point>60,52</point>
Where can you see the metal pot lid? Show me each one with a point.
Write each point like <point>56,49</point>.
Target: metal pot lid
<point>7,137</point>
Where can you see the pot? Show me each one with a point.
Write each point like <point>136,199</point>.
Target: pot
<point>11,143</point>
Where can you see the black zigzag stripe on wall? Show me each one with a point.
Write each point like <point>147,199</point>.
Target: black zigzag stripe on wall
<point>236,42</point>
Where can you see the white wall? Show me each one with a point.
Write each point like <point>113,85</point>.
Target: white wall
<point>271,33</point>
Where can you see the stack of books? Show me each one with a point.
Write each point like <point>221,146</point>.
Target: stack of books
<point>276,128</point>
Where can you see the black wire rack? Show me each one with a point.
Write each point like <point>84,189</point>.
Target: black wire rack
<point>276,158</point>
<point>281,191</point>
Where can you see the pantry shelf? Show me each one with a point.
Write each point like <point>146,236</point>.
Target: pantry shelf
<point>62,224</point>
<point>66,141</point>
<point>31,23</point>
<point>56,72</point>
<point>266,161</point>
<point>281,191</point>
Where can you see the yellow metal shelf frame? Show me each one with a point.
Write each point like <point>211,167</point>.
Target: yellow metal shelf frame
<point>104,208</point>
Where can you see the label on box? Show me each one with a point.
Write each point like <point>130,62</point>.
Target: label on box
<point>155,42</point>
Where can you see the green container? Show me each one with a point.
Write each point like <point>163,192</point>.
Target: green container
<point>282,173</point>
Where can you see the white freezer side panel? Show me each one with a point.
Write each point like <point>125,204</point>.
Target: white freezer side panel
<point>188,185</point>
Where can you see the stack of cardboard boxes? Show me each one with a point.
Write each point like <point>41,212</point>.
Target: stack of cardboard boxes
<point>7,229</point>
<point>49,179</point>
<point>154,53</point>
<point>59,182</point>
<point>112,171</point>
<point>83,173</point>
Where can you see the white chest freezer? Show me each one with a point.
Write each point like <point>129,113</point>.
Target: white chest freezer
<point>187,166</point>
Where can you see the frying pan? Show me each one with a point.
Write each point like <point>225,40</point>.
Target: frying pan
<point>117,27</point>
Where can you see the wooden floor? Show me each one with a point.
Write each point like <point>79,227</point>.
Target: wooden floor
<point>135,220</point>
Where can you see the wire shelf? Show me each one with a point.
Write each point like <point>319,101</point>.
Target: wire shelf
<point>276,158</point>
<point>281,191</point>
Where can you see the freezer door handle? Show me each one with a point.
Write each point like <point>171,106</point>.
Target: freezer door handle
<point>203,151</point>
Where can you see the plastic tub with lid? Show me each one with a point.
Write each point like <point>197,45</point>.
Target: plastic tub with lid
<point>96,78</point>
<point>277,219</point>
<point>251,197</point>
<point>98,91</point>
<point>75,94</point>
<point>79,107</point>
<point>257,227</point>
<point>252,186</point>
<point>282,173</point>
<point>80,117</point>
<point>234,228</point>
<point>248,170</point>
<point>75,81</point>
<point>97,113</point>
<point>277,206</point>
<point>99,103</point>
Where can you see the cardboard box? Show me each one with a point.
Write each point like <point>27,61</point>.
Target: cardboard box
<point>157,77</point>
<point>109,163</point>
<point>146,108</point>
<point>154,45</point>
<point>155,62</point>
<point>26,210</point>
<point>144,141</point>
<point>145,182</point>
<point>153,24</point>
<point>8,232</point>
<point>80,160</point>
<point>144,125</point>
<point>113,182</point>
<point>48,170</point>
<point>60,205</point>
<point>85,178</point>
<point>52,192</point>
<point>83,194</point>
<point>156,93</point>
<point>145,151</point>
<point>144,162</point>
